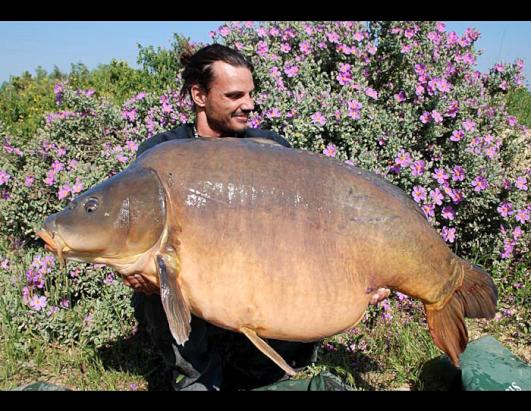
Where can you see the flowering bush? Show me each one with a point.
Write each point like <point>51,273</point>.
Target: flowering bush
<point>399,98</point>
<point>402,99</point>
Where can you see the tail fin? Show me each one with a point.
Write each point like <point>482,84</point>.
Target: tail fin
<point>476,298</point>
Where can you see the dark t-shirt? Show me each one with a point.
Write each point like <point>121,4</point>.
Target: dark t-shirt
<point>186,131</point>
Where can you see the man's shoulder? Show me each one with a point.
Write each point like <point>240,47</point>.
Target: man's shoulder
<point>271,135</point>
<point>180,132</point>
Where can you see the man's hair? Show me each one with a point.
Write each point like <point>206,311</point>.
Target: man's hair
<point>198,66</point>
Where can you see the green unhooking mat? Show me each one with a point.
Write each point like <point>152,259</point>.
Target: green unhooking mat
<point>486,365</point>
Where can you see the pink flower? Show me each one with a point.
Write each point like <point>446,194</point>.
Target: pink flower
<point>285,48</point>
<point>440,175</point>
<point>505,209</point>
<point>131,146</point>
<point>273,113</point>
<point>458,173</point>
<point>57,166</point>
<point>480,183</point>
<point>448,234</point>
<point>305,47</point>
<point>28,182</point>
<point>425,117</point>
<point>78,186</point>
<point>332,37</point>
<point>429,210</point>
<point>403,158</point>
<point>457,135</point>
<point>121,158</point>
<point>371,93</point>
<point>517,232</point>
<point>437,117</point>
<point>511,120</point>
<point>448,213</point>
<point>417,168</point>
<point>63,191</point>
<point>419,90</point>
<point>318,118</point>
<point>291,70</point>
<point>469,125</point>
<point>522,215</point>
<point>436,196</point>
<point>400,97</point>
<point>261,48</point>
<point>330,150</point>
<point>441,27</point>
<point>419,194</point>
<point>38,303</point>
<point>521,183</point>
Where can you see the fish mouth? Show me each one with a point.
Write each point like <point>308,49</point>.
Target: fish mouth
<point>54,243</point>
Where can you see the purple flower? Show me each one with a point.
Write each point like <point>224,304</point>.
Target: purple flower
<point>291,70</point>
<point>262,48</point>
<point>458,173</point>
<point>78,186</point>
<point>318,118</point>
<point>517,232</point>
<point>330,150</point>
<point>457,135</point>
<point>437,117</point>
<point>274,112</point>
<point>469,125</point>
<point>448,213</point>
<point>285,48</point>
<point>38,303</point>
<point>505,209</point>
<point>521,183</point>
<point>65,303</point>
<point>425,117</point>
<point>400,97</point>
<point>371,93</point>
<point>332,37</point>
<point>129,115</point>
<point>133,387</point>
<point>429,210</point>
<point>26,295</point>
<point>480,183</point>
<point>403,158</point>
<point>417,168</point>
<point>511,120</point>
<point>508,248</point>
<point>57,166</point>
<point>456,196</point>
<point>354,108</point>
<point>448,234</point>
<point>4,177</point>
<point>109,280</point>
<point>419,90</point>
<point>121,158</point>
<point>305,47</point>
<point>440,175</point>
<point>522,215</point>
<point>4,264</point>
<point>419,194</point>
<point>436,196</point>
<point>63,191</point>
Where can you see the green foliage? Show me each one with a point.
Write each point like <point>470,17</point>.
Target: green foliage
<point>519,105</point>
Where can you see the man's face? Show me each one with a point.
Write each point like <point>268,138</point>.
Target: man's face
<point>228,103</point>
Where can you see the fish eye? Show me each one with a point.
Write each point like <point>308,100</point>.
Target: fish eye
<point>91,205</point>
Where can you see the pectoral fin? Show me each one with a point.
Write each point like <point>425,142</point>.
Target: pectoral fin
<point>267,350</point>
<point>173,301</point>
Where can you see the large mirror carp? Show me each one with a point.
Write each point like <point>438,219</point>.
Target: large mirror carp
<point>270,242</point>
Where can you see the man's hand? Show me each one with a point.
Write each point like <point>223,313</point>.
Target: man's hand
<point>140,284</point>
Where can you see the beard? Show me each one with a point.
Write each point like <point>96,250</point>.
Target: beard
<point>226,128</point>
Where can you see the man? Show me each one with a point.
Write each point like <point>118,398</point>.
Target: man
<point>219,81</point>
